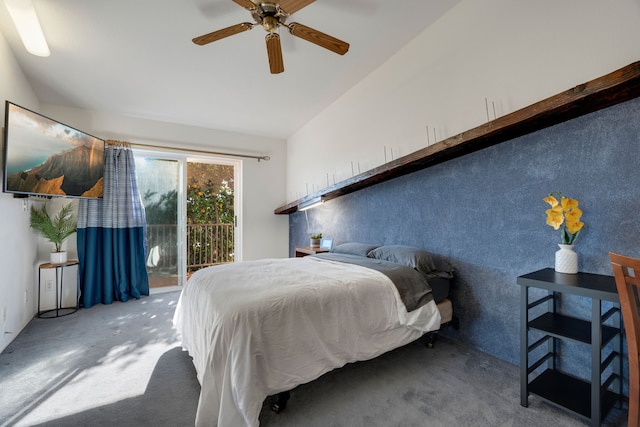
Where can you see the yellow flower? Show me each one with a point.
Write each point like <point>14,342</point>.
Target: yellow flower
<point>574,215</point>
<point>551,200</point>
<point>555,217</point>
<point>574,226</point>
<point>564,216</point>
<point>568,204</point>
<point>200,193</point>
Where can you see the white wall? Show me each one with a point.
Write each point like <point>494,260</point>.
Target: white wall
<point>18,246</point>
<point>265,235</point>
<point>511,52</point>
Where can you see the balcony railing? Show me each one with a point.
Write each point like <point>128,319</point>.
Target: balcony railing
<point>207,244</point>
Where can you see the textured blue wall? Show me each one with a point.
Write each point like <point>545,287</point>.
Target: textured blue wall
<point>484,213</point>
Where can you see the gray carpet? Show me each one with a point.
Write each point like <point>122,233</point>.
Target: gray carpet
<point>122,365</point>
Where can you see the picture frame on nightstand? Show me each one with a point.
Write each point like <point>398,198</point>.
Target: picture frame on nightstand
<point>326,243</point>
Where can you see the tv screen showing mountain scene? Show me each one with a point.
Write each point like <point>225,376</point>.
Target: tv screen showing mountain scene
<point>45,157</point>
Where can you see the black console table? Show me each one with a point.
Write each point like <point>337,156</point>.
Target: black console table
<point>590,399</point>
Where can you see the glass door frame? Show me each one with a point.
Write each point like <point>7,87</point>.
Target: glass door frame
<point>237,196</point>
<point>183,159</point>
<point>181,202</point>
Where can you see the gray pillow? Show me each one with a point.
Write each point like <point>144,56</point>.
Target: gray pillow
<point>416,258</point>
<point>361,249</point>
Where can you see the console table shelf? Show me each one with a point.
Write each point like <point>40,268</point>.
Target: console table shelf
<point>569,392</point>
<point>590,399</point>
<point>570,328</point>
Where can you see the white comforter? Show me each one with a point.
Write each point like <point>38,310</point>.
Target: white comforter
<point>258,328</point>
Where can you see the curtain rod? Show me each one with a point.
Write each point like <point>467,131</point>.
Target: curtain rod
<point>188,150</point>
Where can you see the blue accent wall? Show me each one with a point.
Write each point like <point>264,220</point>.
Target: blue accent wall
<point>484,213</point>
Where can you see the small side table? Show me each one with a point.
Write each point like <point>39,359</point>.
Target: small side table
<point>56,312</point>
<point>308,250</point>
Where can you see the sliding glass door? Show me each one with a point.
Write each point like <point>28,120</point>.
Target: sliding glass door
<point>192,208</point>
<point>211,213</point>
<point>160,185</point>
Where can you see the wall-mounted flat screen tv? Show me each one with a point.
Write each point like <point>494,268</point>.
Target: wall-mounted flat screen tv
<point>47,158</point>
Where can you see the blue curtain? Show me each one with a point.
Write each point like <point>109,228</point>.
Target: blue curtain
<point>111,235</point>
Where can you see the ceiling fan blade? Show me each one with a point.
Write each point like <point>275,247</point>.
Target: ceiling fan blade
<point>247,4</point>
<point>319,38</point>
<point>220,34</point>
<point>292,6</point>
<point>274,51</point>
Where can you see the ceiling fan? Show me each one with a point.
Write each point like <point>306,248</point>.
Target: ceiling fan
<point>272,14</point>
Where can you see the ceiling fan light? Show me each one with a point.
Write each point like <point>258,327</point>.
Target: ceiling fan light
<point>270,24</point>
<point>26,21</point>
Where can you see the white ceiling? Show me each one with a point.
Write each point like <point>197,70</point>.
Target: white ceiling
<point>136,58</point>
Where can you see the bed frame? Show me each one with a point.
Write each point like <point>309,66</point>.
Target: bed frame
<point>447,319</point>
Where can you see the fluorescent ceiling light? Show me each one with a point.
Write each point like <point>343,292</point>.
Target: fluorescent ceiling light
<point>26,22</point>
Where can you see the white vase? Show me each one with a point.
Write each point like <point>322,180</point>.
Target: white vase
<point>566,260</point>
<point>58,257</point>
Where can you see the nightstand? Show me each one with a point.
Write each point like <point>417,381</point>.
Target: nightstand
<point>308,250</point>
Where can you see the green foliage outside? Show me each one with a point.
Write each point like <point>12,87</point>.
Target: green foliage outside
<point>210,197</point>
<point>162,211</point>
<point>210,194</point>
<point>210,204</point>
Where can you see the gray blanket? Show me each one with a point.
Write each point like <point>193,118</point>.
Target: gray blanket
<point>413,286</point>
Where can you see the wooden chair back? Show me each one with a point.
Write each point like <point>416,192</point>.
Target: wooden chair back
<point>626,271</point>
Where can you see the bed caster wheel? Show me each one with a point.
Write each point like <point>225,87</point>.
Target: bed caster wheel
<point>431,340</point>
<point>455,323</point>
<point>277,408</point>
<point>281,402</point>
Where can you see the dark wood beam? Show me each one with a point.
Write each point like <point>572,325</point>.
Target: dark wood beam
<point>611,89</point>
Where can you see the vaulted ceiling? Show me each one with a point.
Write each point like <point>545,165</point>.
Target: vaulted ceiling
<point>136,58</point>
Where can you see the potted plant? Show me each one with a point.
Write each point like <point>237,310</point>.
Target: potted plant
<point>55,229</point>
<point>315,240</point>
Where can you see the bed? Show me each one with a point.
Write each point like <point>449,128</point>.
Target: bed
<point>259,328</point>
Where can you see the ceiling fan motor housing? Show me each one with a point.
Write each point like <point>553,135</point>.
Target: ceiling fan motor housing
<point>269,15</point>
